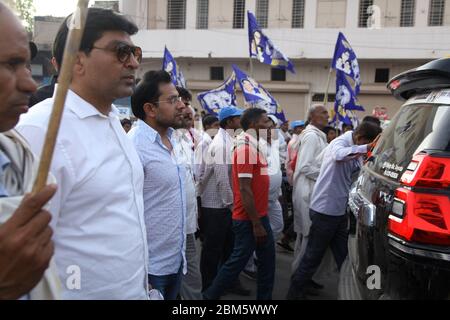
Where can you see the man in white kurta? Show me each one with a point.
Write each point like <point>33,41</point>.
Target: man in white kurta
<point>312,142</point>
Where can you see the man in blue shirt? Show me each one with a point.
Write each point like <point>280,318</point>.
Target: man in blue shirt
<point>342,160</point>
<point>159,108</point>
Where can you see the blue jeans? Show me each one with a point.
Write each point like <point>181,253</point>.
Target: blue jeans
<point>168,285</point>
<point>244,245</point>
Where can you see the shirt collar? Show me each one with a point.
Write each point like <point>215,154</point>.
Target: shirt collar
<point>82,108</point>
<point>152,134</point>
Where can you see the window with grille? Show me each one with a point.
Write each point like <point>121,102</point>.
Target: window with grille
<point>216,73</point>
<point>381,75</point>
<point>298,14</point>
<point>239,14</point>
<point>202,14</point>
<point>320,97</point>
<point>407,13</point>
<point>363,12</point>
<point>278,74</point>
<point>176,14</point>
<point>437,8</point>
<point>262,12</point>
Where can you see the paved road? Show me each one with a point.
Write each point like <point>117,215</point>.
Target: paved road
<point>282,280</point>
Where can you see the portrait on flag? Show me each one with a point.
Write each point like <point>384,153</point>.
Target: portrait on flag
<point>224,96</point>
<point>263,49</point>
<point>257,96</point>
<point>171,67</point>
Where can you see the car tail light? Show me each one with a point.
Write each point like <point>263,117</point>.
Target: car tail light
<point>427,171</point>
<point>423,217</point>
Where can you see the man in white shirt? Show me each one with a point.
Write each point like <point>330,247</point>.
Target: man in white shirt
<point>191,285</point>
<point>98,214</point>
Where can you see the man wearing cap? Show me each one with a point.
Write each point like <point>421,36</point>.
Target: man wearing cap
<point>217,198</point>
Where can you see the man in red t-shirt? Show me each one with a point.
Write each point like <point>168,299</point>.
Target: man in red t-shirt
<point>251,225</point>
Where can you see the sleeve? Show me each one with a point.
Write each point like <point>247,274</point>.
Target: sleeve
<point>245,162</point>
<point>306,161</point>
<point>61,167</point>
<point>221,171</point>
<point>340,152</point>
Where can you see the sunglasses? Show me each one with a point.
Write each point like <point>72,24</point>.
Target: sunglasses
<point>123,51</point>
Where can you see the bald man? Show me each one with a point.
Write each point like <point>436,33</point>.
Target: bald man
<point>25,236</point>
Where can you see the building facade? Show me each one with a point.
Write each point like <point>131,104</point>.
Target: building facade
<point>207,36</point>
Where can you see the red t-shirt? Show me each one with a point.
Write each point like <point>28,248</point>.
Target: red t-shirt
<point>248,163</point>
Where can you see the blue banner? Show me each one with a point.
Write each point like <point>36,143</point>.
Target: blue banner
<point>345,97</point>
<point>170,66</point>
<point>257,96</point>
<point>345,60</point>
<point>263,49</point>
<point>224,96</point>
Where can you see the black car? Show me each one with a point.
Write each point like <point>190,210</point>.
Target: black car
<point>399,243</point>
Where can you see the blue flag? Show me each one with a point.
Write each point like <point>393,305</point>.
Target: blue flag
<point>263,49</point>
<point>257,96</point>
<point>224,96</point>
<point>170,66</point>
<point>345,97</point>
<point>345,60</point>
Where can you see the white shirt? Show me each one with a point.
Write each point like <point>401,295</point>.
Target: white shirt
<point>185,155</point>
<point>98,211</point>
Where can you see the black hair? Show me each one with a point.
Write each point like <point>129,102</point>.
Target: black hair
<point>184,93</point>
<point>98,21</point>
<point>345,125</point>
<point>328,129</point>
<point>209,120</point>
<point>224,123</point>
<point>148,91</point>
<point>372,119</point>
<point>250,116</point>
<point>368,130</point>
<point>125,121</point>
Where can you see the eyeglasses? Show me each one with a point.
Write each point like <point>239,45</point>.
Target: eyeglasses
<point>172,100</point>
<point>123,51</point>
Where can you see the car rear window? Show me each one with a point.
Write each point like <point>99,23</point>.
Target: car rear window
<point>414,129</point>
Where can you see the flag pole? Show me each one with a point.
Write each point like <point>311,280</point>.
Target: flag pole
<point>251,67</point>
<point>325,99</point>
<point>76,30</point>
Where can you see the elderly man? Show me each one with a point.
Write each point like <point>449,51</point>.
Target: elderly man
<point>100,236</point>
<point>25,235</point>
<point>312,142</point>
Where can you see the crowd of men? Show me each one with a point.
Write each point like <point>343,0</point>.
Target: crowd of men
<point>123,212</point>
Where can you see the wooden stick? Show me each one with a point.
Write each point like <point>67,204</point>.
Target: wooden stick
<point>76,30</point>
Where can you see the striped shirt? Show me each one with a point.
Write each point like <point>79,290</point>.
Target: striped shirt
<point>215,189</point>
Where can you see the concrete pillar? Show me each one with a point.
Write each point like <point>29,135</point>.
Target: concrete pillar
<point>310,14</point>
<point>191,14</point>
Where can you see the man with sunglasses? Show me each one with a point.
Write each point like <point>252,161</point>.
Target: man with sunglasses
<point>159,108</point>
<point>98,216</point>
